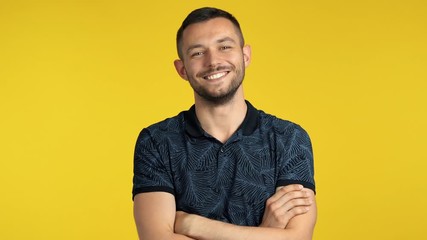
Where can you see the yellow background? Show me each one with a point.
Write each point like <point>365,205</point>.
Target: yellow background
<point>80,79</point>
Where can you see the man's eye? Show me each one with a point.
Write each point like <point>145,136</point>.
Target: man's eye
<point>225,47</point>
<point>196,54</point>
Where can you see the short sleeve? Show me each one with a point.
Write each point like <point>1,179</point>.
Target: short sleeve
<point>151,174</point>
<point>297,166</point>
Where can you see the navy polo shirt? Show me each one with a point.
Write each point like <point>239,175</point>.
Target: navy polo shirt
<point>228,181</point>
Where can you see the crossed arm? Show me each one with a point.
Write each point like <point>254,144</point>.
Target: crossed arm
<point>289,214</point>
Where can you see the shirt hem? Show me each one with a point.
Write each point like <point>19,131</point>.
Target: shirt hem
<point>152,189</point>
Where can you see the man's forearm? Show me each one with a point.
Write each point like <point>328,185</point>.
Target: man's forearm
<point>286,203</point>
<point>202,228</point>
<point>180,237</point>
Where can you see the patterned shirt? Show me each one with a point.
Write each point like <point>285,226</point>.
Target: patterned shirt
<point>228,181</point>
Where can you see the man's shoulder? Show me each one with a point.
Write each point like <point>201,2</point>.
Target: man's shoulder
<point>277,125</point>
<point>165,128</point>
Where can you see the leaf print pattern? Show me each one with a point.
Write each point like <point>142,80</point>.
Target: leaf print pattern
<point>228,182</point>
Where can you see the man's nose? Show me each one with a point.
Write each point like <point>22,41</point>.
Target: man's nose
<point>212,59</point>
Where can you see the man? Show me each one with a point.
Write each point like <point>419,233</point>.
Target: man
<point>223,169</point>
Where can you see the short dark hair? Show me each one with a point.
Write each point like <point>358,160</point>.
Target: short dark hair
<point>205,14</point>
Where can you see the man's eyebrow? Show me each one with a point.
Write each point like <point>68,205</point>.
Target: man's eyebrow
<point>226,39</point>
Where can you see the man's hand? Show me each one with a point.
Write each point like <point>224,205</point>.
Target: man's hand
<point>286,203</point>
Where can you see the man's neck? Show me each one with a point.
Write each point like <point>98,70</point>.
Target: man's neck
<point>221,121</point>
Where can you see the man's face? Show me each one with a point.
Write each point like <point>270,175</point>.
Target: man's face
<point>213,60</point>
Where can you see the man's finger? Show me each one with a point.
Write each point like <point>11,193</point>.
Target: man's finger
<point>280,191</point>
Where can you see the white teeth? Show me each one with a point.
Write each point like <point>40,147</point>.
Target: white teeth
<point>216,76</point>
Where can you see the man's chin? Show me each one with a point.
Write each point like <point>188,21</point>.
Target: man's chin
<point>218,99</point>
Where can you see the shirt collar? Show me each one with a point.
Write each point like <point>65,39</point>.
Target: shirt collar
<point>248,126</point>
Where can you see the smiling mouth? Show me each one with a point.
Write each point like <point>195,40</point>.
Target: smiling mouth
<point>216,75</point>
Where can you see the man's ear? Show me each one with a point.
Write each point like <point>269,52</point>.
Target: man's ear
<point>247,55</point>
<point>180,69</point>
